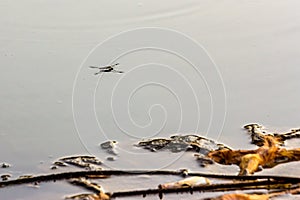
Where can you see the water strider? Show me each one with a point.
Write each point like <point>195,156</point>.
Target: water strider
<point>108,68</point>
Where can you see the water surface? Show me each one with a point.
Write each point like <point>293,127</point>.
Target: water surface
<point>43,46</point>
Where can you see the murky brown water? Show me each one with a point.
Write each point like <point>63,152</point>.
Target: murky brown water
<point>44,48</point>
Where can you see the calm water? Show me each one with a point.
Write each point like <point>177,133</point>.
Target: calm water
<point>245,69</point>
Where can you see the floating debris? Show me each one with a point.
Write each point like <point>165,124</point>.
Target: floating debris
<point>87,162</point>
<point>86,197</point>
<point>241,197</point>
<point>154,144</point>
<point>5,177</point>
<point>184,172</point>
<point>110,158</point>
<point>5,165</point>
<point>256,196</point>
<point>187,182</point>
<point>60,164</point>
<point>178,143</point>
<point>274,185</point>
<point>269,154</point>
<point>108,144</point>
<point>100,193</point>
<point>53,167</point>
<point>25,176</point>
<point>203,160</point>
<point>109,147</point>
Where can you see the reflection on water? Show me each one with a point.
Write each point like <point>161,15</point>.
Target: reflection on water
<point>42,45</point>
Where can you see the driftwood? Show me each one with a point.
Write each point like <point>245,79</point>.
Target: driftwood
<point>105,173</point>
<point>250,185</point>
<point>100,195</point>
<point>244,183</point>
<point>268,154</point>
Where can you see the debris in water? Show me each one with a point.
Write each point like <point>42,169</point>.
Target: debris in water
<point>269,154</point>
<point>5,177</point>
<point>178,143</point>
<point>25,176</point>
<point>187,182</point>
<point>109,147</point>
<point>101,195</point>
<point>87,162</point>
<point>110,158</point>
<point>5,165</point>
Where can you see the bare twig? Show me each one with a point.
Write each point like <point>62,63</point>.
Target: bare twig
<point>206,188</point>
<point>86,174</point>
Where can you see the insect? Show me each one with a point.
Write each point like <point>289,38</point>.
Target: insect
<point>109,68</point>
